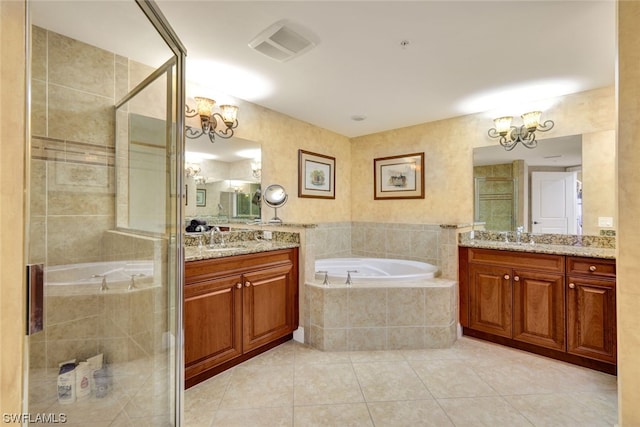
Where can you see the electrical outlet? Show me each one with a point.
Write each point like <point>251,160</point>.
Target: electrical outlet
<point>605,221</point>
<point>267,235</point>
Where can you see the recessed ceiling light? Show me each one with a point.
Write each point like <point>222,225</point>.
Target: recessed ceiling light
<point>358,117</point>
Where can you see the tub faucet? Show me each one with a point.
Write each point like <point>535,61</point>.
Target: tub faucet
<point>349,281</point>
<point>132,283</point>
<point>326,277</point>
<point>103,285</point>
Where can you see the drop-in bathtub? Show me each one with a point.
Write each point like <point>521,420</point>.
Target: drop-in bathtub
<point>392,304</point>
<point>86,278</point>
<point>373,271</point>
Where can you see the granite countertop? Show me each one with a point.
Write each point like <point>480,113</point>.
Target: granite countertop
<point>193,253</point>
<point>543,248</point>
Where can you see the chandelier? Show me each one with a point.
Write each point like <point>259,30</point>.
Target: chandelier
<point>526,134</point>
<point>209,120</point>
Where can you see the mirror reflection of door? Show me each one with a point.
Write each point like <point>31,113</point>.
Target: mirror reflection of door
<point>554,202</point>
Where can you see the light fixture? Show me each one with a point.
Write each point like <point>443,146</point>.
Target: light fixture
<point>209,120</point>
<point>256,168</point>
<point>191,170</point>
<point>526,134</point>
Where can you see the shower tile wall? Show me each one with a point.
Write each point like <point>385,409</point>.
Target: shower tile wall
<point>74,89</point>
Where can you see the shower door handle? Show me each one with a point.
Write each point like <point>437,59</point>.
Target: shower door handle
<point>35,298</point>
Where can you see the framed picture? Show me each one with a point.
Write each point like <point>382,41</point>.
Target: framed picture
<point>316,175</point>
<point>201,197</point>
<point>399,177</point>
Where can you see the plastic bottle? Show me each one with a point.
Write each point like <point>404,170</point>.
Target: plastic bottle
<point>83,383</point>
<point>67,382</point>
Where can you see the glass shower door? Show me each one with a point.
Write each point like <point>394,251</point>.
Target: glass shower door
<point>104,215</point>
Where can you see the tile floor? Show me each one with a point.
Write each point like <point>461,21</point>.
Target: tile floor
<point>474,383</point>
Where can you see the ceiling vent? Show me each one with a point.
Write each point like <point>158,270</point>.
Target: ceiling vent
<point>281,43</point>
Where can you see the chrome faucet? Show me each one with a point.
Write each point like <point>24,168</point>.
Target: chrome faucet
<point>103,285</point>
<point>349,282</point>
<point>519,231</point>
<point>132,283</point>
<point>215,229</point>
<point>326,277</point>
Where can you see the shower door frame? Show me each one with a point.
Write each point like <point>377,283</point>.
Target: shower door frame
<point>175,190</point>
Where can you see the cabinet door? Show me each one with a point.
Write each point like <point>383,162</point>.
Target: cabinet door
<point>269,297</point>
<point>591,318</point>
<point>212,323</point>
<point>490,299</point>
<point>538,308</point>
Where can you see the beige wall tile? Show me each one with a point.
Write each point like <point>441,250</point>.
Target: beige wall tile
<point>80,116</point>
<point>38,107</point>
<point>367,338</point>
<point>80,66</point>
<point>367,307</point>
<point>406,307</point>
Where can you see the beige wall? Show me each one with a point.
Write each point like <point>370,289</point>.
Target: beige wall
<point>628,286</point>
<point>12,139</point>
<point>281,136</point>
<point>598,179</point>
<point>448,146</point>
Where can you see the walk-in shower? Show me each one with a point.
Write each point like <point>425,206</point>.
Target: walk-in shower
<point>106,86</point>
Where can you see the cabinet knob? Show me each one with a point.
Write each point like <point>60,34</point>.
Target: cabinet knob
<point>506,277</point>
<point>238,285</point>
<point>516,278</point>
<point>572,285</point>
<point>247,284</point>
<point>592,268</point>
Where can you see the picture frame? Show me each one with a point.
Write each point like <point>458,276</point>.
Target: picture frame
<point>399,177</point>
<point>201,197</point>
<point>316,175</point>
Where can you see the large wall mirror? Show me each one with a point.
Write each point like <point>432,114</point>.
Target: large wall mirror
<point>563,186</point>
<point>223,180</point>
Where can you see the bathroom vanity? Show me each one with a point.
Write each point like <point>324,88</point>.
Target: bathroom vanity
<point>237,304</point>
<point>552,300</point>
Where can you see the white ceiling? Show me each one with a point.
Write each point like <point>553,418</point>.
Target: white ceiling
<point>463,56</point>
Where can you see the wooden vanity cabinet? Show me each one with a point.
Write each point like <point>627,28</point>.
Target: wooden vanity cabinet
<point>237,307</point>
<point>559,306</point>
<point>591,314</point>
<point>518,296</point>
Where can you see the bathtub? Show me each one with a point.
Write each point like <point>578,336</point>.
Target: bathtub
<point>75,279</point>
<point>373,271</point>
<point>392,304</point>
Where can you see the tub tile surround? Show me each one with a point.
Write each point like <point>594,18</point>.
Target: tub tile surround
<point>119,324</point>
<point>345,318</point>
<point>330,315</point>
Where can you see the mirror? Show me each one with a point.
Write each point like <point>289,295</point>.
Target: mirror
<point>506,193</point>
<point>223,180</point>
<point>275,196</point>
